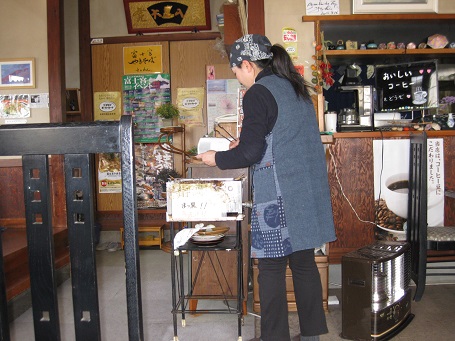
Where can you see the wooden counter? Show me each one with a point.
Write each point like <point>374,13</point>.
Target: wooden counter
<point>352,153</point>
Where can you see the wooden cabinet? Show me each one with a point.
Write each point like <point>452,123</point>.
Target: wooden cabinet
<point>322,262</point>
<point>148,236</point>
<point>351,181</point>
<point>228,262</point>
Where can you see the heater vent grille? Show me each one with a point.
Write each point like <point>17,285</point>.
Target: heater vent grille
<point>376,278</point>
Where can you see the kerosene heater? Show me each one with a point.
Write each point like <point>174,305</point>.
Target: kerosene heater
<point>376,298</point>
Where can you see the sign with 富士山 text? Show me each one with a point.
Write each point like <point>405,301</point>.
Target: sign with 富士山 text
<point>142,59</point>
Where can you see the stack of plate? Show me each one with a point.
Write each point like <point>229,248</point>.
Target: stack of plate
<point>209,236</point>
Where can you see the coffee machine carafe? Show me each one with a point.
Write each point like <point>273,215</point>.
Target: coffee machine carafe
<point>364,105</point>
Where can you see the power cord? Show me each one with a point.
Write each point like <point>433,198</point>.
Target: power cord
<point>343,193</point>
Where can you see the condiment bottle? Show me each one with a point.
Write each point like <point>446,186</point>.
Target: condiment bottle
<point>450,121</point>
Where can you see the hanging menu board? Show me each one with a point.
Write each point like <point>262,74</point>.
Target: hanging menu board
<point>407,86</point>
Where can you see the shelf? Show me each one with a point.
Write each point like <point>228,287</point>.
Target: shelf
<point>230,242</point>
<point>222,282</point>
<point>391,134</point>
<point>348,19</point>
<point>385,56</point>
<point>382,28</point>
<point>379,28</point>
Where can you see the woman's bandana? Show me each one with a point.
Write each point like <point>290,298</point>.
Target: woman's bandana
<point>250,47</point>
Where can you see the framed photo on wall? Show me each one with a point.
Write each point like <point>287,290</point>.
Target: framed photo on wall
<point>394,6</point>
<point>145,16</point>
<point>17,73</point>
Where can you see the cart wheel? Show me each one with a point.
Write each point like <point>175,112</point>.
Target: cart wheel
<point>183,323</point>
<point>239,339</point>
<point>176,338</point>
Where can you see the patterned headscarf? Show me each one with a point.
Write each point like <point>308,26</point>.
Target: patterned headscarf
<point>250,47</point>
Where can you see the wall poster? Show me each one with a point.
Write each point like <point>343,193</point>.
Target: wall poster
<point>222,102</point>
<point>141,95</point>
<point>107,106</point>
<point>150,160</point>
<point>109,173</point>
<point>15,106</point>
<point>190,102</point>
<point>391,175</point>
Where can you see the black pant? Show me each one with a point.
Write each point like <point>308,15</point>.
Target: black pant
<point>308,296</point>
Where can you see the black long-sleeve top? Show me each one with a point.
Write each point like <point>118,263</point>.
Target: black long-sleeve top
<point>260,114</point>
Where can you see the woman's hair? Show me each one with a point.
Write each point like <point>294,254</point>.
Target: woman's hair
<point>283,67</point>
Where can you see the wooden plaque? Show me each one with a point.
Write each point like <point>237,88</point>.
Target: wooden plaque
<point>145,16</point>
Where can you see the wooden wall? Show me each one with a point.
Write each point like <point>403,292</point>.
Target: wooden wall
<point>186,62</point>
<point>188,69</point>
<point>107,73</point>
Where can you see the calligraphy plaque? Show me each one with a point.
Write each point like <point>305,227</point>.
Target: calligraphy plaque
<point>145,16</point>
<point>142,59</point>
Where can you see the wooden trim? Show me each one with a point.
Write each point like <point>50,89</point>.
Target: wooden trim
<point>383,134</point>
<point>149,38</point>
<point>113,220</point>
<point>13,223</point>
<point>7,163</point>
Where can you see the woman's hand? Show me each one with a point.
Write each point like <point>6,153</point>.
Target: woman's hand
<point>234,143</point>
<point>208,157</point>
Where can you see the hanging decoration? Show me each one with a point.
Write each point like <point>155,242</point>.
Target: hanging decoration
<point>321,69</point>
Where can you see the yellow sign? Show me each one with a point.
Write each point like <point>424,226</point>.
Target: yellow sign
<point>142,59</point>
<point>190,102</point>
<point>107,106</point>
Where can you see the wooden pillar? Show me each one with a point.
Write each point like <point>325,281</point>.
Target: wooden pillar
<point>57,100</point>
<point>85,61</point>
<point>256,21</point>
<point>56,62</point>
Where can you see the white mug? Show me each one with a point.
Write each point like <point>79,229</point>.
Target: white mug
<point>330,120</point>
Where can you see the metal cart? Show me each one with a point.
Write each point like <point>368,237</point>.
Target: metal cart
<point>205,200</point>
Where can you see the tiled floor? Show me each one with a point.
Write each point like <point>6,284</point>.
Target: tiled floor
<point>434,315</point>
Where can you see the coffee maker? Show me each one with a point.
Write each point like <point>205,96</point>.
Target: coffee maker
<point>359,117</point>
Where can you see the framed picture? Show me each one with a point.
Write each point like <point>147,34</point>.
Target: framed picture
<point>145,16</point>
<point>394,6</point>
<point>73,101</point>
<point>17,73</point>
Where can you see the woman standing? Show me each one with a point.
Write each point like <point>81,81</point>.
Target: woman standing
<point>292,212</point>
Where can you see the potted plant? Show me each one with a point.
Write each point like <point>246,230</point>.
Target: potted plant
<point>165,175</point>
<point>168,111</point>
